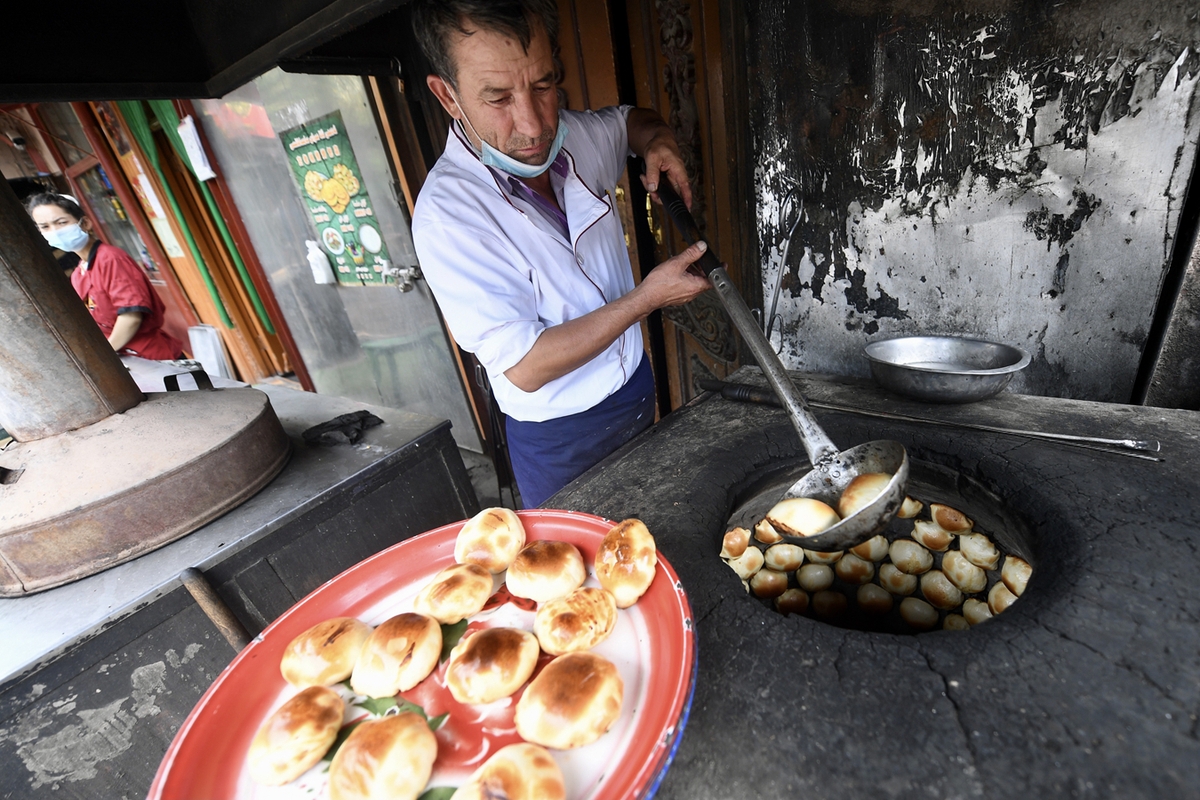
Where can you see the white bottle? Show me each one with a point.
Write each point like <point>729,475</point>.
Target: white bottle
<point>319,263</point>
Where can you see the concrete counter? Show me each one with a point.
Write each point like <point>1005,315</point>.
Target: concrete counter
<point>1086,687</point>
<point>98,674</point>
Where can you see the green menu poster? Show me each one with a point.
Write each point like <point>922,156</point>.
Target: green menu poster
<point>331,185</point>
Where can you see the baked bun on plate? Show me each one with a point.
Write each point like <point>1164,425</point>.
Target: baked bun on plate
<point>455,593</point>
<point>325,653</point>
<point>520,771</point>
<point>390,758</point>
<point>572,702</point>
<point>626,560</point>
<point>545,570</point>
<point>296,736</point>
<point>490,664</point>
<point>492,538</point>
<point>579,621</point>
<point>398,655</point>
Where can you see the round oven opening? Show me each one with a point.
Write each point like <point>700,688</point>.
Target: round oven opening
<point>959,559</point>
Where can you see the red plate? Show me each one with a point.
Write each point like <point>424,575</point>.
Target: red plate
<point>653,646</point>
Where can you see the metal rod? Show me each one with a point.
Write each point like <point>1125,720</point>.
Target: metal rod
<point>816,442</point>
<point>752,394</point>
<point>214,608</point>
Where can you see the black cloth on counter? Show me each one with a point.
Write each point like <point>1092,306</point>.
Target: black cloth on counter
<point>344,429</point>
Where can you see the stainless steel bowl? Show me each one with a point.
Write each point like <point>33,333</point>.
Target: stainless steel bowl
<point>944,369</point>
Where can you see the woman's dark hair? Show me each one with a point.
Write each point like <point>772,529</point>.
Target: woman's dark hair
<point>435,21</point>
<point>50,199</point>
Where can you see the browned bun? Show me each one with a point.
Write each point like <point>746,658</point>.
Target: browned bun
<point>874,599</point>
<point>932,535</point>
<point>829,604</point>
<point>390,758</point>
<point>545,570</point>
<point>398,655</point>
<point>579,621</point>
<point>793,601</point>
<point>963,573</point>
<point>734,543</point>
<point>769,583</point>
<point>855,570</point>
<point>325,653</point>
<point>862,491</point>
<point>764,533</point>
<point>455,593</point>
<point>909,508</point>
<point>950,519</point>
<point>940,591</point>
<point>490,664</point>
<point>296,737</point>
<point>784,557</point>
<point>1015,574</point>
<point>918,613</point>
<point>802,516</point>
<point>517,772</point>
<point>572,702</point>
<point>492,538</point>
<point>626,561</point>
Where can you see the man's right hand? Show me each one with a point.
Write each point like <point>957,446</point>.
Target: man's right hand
<point>672,283</point>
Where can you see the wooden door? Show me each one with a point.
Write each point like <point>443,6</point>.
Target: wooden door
<point>254,352</point>
<point>685,64</point>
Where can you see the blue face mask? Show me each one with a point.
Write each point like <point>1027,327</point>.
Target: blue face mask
<point>494,158</point>
<point>69,237</point>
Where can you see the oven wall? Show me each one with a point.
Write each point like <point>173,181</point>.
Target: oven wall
<point>1009,169</point>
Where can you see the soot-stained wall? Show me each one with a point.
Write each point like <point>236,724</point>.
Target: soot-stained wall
<point>1011,169</point>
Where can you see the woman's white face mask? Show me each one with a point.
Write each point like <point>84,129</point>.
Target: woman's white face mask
<point>69,237</point>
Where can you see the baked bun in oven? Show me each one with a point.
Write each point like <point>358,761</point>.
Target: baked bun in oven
<point>490,664</point>
<point>950,519</point>
<point>455,593</point>
<point>579,621</point>
<point>545,570</point>
<point>862,491</point>
<point>390,758</point>
<point>492,538</point>
<point>963,573</point>
<point>932,535</point>
<point>398,655</point>
<point>520,771</point>
<point>325,653</point>
<point>626,560</point>
<point>734,543</point>
<point>296,736</point>
<point>802,516</point>
<point>572,702</point>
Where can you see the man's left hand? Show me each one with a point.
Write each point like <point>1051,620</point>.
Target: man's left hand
<point>653,140</point>
<point>662,155</point>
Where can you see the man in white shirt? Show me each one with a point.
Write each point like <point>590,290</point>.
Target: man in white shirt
<point>519,238</point>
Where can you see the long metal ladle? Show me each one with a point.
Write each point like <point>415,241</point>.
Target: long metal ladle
<point>832,470</point>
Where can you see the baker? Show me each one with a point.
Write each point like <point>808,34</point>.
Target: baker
<point>519,238</point>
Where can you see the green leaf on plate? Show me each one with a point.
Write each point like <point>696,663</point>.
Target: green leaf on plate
<point>450,636</point>
<point>439,793</point>
<point>438,721</point>
<point>343,734</point>
<point>404,705</point>
<point>378,705</point>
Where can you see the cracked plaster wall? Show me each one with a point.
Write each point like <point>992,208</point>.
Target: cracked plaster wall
<point>1005,169</point>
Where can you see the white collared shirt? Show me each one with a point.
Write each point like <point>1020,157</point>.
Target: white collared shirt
<point>502,272</point>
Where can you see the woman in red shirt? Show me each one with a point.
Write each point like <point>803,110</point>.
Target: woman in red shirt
<point>112,285</point>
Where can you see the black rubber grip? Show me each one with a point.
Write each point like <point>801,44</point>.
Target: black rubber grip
<point>686,224</point>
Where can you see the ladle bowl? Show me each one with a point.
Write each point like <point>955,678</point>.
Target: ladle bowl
<point>827,481</point>
<point>832,470</point>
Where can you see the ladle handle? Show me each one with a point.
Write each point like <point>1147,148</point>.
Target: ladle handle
<point>816,443</point>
